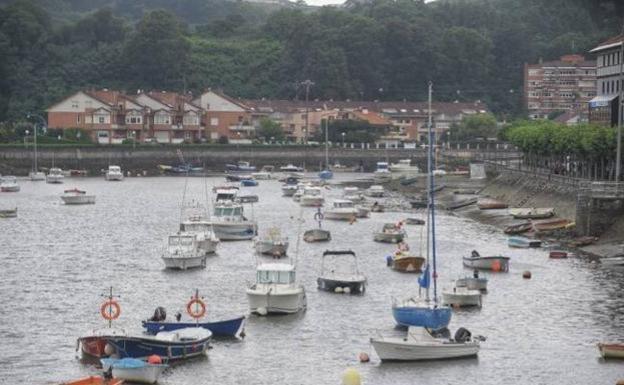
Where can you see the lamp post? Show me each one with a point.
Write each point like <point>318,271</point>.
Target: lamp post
<point>26,136</point>
<point>618,156</point>
<point>343,138</point>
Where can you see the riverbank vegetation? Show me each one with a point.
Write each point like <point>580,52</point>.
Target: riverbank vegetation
<point>584,150</point>
<point>370,50</point>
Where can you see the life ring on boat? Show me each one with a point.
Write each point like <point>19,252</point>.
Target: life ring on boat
<point>199,310</point>
<point>110,310</point>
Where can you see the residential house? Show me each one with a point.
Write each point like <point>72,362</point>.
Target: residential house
<point>225,117</point>
<point>603,109</point>
<point>563,85</point>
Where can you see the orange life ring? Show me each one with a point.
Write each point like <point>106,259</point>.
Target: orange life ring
<point>196,313</point>
<point>110,310</point>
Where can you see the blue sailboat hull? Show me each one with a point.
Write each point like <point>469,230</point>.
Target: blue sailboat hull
<point>429,317</point>
<point>225,328</point>
<point>326,174</point>
<point>143,347</point>
<point>249,182</point>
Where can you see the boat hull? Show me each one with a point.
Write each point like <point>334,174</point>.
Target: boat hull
<point>424,316</point>
<point>288,192</point>
<point>519,228</point>
<point>36,176</point>
<point>184,263</point>
<point>8,213</point>
<point>397,350</point>
<point>270,303</point>
<point>611,350</point>
<point>309,201</point>
<point>95,380</point>
<point>226,328</point>
<point>114,177</point>
<point>278,249</point>
<point>140,347</point>
<point>487,263</point>
<point>472,283</point>
<point>523,243</point>
<point>228,231</point>
<point>11,188</point>
<point>79,200</point>
<point>407,264</point>
<point>330,285</point>
<point>208,246</point>
<point>340,216</point>
<point>146,374</point>
<point>93,346</point>
<point>461,299</point>
<point>317,235</point>
<point>389,238</point>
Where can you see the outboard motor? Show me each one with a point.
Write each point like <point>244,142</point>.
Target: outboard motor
<point>160,314</point>
<point>462,335</point>
<point>475,254</point>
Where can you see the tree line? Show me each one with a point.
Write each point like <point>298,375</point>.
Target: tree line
<point>379,49</point>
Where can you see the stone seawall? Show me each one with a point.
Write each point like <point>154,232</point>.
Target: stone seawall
<point>18,160</point>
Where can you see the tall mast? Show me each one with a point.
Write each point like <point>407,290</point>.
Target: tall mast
<point>35,126</point>
<point>431,205</point>
<point>326,145</point>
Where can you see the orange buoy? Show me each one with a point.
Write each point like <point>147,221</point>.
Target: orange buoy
<point>154,359</point>
<point>364,357</point>
<point>526,274</point>
<point>110,310</point>
<point>496,266</point>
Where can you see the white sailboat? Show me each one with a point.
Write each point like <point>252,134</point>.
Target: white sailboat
<point>35,175</point>
<point>326,173</point>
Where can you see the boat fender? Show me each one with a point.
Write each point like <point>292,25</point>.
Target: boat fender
<point>154,359</point>
<point>262,311</point>
<point>338,289</point>
<point>363,357</point>
<point>110,310</point>
<point>109,349</point>
<point>347,290</point>
<point>526,274</point>
<point>389,260</point>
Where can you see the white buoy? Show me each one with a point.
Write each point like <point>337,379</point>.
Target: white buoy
<point>262,311</point>
<point>347,290</point>
<point>338,289</point>
<point>109,349</point>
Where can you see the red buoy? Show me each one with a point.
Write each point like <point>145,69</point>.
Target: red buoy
<point>154,359</point>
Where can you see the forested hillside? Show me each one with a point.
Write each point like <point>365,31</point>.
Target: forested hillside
<point>383,49</point>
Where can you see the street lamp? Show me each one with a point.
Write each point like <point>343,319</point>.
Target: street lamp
<point>343,137</point>
<point>26,136</point>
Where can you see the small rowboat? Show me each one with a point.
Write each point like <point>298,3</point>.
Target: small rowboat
<point>249,182</point>
<point>583,241</point>
<point>494,263</point>
<point>491,204</point>
<point>94,380</point>
<point>551,225</point>
<point>415,221</point>
<point>558,254</point>
<point>532,213</point>
<point>317,235</point>
<point>519,228</point>
<point>523,243</point>
<point>615,350</point>
<point>9,213</point>
<point>406,263</point>
<point>462,203</point>
<point>133,370</point>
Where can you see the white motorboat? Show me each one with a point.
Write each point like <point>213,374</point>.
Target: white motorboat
<point>266,172</point>
<point>133,369</point>
<point>353,194</point>
<point>299,193</point>
<point>9,184</point>
<point>341,209</point>
<point>272,243</point>
<point>382,173</point>
<point>473,283</point>
<point>341,276</point>
<point>461,296</point>
<point>114,173</point>
<point>494,262</point>
<point>183,252</point>
<point>229,222</point>
<point>77,197</point>
<point>291,168</point>
<point>375,191</point>
<point>36,176</point>
<point>419,344</point>
<point>55,175</point>
<point>363,212</point>
<point>312,196</point>
<point>276,290</point>
<point>289,190</point>
<point>390,233</point>
<point>206,238</point>
<point>404,166</point>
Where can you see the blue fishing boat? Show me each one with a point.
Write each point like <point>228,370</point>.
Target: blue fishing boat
<point>418,311</point>
<point>227,328</point>
<point>523,243</point>
<point>175,345</point>
<point>249,182</point>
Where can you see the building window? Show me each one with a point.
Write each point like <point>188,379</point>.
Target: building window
<point>78,119</point>
<point>190,119</point>
<point>214,122</point>
<point>101,119</point>
<point>162,118</point>
<point>74,104</point>
<point>187,135</point>
<point>240,119</point>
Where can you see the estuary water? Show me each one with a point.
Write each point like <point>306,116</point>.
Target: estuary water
<point>57,260</point>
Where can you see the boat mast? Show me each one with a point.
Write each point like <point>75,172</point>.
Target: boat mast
<point>326,145</point>
<point>431,205</point>
<point>35,143</point>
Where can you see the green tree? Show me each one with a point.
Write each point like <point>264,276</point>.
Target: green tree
<point>270,130</point>
<point>475,126</point>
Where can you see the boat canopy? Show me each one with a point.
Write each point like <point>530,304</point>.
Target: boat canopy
<point>276,273</point>
<point>228,211</point>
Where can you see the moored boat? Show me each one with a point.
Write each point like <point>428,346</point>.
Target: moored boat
<point>405,262</point>
<point>375,191</point>
<point>55,175</point>
<point>461,203</point>
<point>404,166</point>
<point>9,184</point>
<point>382,173</point>
<point>317,235</point>
<point>362,212</point>
<point>531,213</point>
<point>414,221</point>
<point>8,213</point>
<point>352,193</point>
<point>420,344</point>
<point>240,166</point>
<point>518,228</point>
<point>266,172</point>
<point>312,197</point>
<point>114,173</point>
<point>461,296</point>
<point>523,242</point>
<point>551,225</point>
<point>229,222</point>
<point>94,380</point>
<point>276,290</point>
<point>340,276</point>
<point>250,182</point>
<point>494,263</point>
<point>272,243</point>
<point>133,370</point>
<point>491,204</point>
<point>390,233</point>
<point>183,251</point>
<point>611,350</point>
<point>473,283</point>
<point>558,254</point>
<point>77,197</point>
<point>341,209</point>
<point>291,168</point>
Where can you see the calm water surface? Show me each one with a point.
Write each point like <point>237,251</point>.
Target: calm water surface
<point>58,259</point>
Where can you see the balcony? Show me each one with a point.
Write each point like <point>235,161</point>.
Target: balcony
<point>242,128</point>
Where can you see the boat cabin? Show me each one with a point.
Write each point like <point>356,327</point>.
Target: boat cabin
<point>55,171</point>
<point>343,204</point>
<point>228,210</point>
<point>184,242</point>
<point>114,169</point>
<point>312,191</point>
<point>224,195</point>
<point>275,273</point>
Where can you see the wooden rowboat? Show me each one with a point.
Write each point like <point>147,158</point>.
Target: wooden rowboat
<point>615,350</point>
<point>551,224</point>
<point>491,204</point>
<point>462,203</point>
<point>406,263</point>
<point>558,254</point>
<point>519,228</point>
<point>532,213</point>
<point>94,380</point>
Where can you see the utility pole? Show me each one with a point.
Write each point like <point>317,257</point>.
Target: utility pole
<point>618,156</point>
<point>307,84</point>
